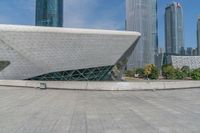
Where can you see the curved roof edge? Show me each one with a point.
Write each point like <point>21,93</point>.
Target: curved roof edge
<point>25,28</point>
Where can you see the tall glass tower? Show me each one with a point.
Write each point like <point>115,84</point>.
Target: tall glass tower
<point>49,13</point>
<point>174,42</point>
<point>141,16</point>
<point>198,37</point>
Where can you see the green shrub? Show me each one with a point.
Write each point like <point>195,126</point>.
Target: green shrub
<point>168,72</point>
<point>195,74</point>
<point>130,73</point>
<point>140,72</point>
<point>154,73</point>
<point>180,74</point>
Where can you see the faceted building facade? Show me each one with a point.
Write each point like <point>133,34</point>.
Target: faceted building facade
<point>174,35</point>
<point>141,16</point>
<point>46,53</point>
<point>49,13</point>
<point>198,37</point>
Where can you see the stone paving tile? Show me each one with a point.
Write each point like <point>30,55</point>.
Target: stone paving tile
<point>24,110</point>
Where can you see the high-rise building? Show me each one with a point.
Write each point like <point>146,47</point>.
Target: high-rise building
<point>198,37</point>
<point>159,58</point>
<point>141,16</point>
<point>174,36</point>
<point>194,52</point>
<point>49,13</point>
<point>189,51</point>
<point>183,52</point>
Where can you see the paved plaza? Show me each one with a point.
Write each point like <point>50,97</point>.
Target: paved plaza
<point>24,110</point>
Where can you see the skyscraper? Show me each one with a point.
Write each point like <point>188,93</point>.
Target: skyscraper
<point>141,16</point>
<point>198,36</point>
<point>189,51</point>
<point>174,41</point>
<point>49,13</point>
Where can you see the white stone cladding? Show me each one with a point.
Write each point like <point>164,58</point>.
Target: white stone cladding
<point>192,61</point>
<point>33,51</point>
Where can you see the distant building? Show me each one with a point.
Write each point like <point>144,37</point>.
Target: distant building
<point>183,51</point>
<point>174,37</point>
<point>189,51</point>
<point>198,36</point>
<point>141,16</point>
<point>194,52</point>
<point>49,13</point>
<point>159,58</point>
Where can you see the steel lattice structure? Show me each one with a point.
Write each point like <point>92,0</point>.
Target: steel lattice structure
<point>90,74</point>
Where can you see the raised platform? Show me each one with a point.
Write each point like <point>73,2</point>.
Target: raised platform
<point>104,86</point>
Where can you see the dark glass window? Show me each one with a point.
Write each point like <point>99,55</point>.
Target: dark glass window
<point>4,64</point>
<point>49,13</point>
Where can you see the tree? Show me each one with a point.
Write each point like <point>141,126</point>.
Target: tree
<point>151,71</point>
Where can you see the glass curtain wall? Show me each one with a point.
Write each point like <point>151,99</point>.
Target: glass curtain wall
<point>141,16</point>
<point>49,13</point>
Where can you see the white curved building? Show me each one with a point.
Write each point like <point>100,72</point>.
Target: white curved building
<point>41,53</point>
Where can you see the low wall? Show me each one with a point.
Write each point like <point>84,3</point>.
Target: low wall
<point>109,86</point>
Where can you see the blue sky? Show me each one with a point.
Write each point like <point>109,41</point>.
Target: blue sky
<point>103,14</point>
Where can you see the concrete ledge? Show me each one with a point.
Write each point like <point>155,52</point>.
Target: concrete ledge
<point>104,86</point>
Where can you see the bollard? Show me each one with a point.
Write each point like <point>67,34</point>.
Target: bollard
<point>43,86</point>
